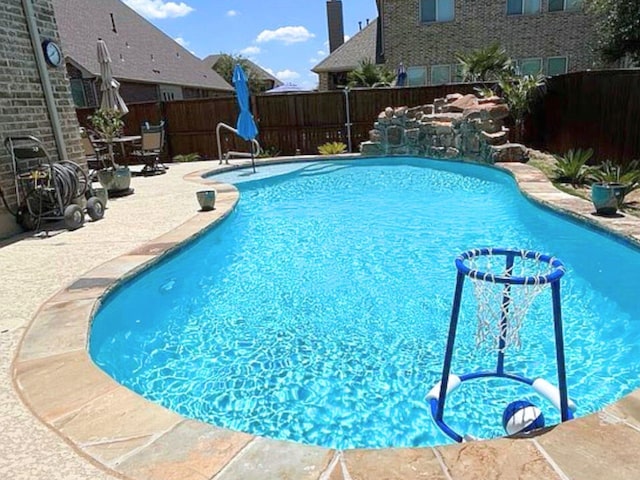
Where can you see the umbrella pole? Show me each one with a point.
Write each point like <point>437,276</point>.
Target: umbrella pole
<point>253,163</point>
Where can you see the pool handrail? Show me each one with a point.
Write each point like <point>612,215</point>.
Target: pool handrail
<point>225,157</point>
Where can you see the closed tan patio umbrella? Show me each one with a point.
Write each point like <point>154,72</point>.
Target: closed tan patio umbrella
<point>111,98</point>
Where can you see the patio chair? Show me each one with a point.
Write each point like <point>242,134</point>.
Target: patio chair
<point>94,154</point>
<point>150,149</point>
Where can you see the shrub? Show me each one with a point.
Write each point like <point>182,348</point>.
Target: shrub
<point>268,152</point>
<point>570,167</point>
<point>188,157</point>
<point>332,148</point>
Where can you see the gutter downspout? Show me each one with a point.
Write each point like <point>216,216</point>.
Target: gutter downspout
<point>44,79</point>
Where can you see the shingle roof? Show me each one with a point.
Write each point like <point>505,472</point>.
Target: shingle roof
<point>260,72</point>
<point>347,57</point>
<point>139,50</point>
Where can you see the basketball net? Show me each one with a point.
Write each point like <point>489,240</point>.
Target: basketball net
<point>509,301</point>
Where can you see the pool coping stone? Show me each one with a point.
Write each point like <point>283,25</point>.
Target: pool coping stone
<point>133,438</point>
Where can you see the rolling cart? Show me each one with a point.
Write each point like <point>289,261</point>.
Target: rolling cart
<point>48,190</point>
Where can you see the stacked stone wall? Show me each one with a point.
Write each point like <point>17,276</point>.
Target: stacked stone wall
<point>23,109</point>
<point>458,126</point>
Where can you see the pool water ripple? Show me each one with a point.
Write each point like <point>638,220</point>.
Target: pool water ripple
<point>318,311</point>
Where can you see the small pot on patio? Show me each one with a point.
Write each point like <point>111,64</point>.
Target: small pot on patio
<point>206,199</point>
<point>607,197</point>
<point>116,179</point>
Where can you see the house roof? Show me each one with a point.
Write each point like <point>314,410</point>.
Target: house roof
<point>139,51</point>
<point>260,72</point>
<point>348,56</point>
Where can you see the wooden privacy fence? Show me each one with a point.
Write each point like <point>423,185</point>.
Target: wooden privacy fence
<point>598,110</point>
<point>287,123</point>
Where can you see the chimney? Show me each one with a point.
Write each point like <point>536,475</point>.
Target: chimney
<point>336,25</point>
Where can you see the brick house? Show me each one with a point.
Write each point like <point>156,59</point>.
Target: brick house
<point>548,36</point>
<point>149,64</point>
<point>332,71</point>
<point>23,104</point>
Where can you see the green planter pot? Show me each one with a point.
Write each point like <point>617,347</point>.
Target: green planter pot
<point>206,199</point>
<point>115,180</point>
<point>607,197</point>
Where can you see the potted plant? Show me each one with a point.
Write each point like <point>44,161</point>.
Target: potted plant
<point>108,124</point>
<point>611,184</point>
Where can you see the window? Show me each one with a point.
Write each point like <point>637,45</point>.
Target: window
<point>437,10</point>
<point>556,66</point>
<point>77,92</point>
<point>530,66</point>
<point>521,7</point>
<point>440,74</point>
<point>457,75</point>
<point>560,5</point>
<point>416,76</point>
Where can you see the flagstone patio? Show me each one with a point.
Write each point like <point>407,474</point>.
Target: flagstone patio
<point>89,427</point>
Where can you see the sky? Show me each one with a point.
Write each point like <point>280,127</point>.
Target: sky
<point>285,37</point>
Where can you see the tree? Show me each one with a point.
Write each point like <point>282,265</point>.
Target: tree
<point>483,64</point>
<point>618,25</point>
<point>225,65</point>
<point>368,74</point>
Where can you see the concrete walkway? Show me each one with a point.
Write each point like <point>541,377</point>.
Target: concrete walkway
<point>33,269</point>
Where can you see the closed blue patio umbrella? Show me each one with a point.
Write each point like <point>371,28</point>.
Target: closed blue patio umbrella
<point>246,126</point>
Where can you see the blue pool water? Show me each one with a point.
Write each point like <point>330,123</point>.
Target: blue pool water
<point>318,310</point>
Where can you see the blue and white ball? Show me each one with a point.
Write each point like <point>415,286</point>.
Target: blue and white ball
<point>521,416</point>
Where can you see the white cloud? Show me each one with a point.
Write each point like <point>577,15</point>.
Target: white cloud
<point>232,13</point>
<point>322,53</point>
<point>286,75</point>
<point>286,35</point>
<point>159,8</point>
<point>251,50</point>
<point>181,41</point>
<point>346,38</point>
<point>313,60</point>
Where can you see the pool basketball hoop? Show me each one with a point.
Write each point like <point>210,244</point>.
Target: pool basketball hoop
<point>505,284</point>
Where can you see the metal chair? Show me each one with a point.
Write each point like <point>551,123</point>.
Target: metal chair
<point>151,145</point>
<point>93,153</point>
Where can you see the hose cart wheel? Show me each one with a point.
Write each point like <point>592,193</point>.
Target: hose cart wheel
<point>95,208</point>
<point>26,220</point>
<point>73,217</point>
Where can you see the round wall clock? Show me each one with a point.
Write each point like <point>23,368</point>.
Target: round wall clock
<point>52,53</point>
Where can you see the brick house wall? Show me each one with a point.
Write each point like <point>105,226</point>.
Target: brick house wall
<point>23,109</point>
<point>480,23</point>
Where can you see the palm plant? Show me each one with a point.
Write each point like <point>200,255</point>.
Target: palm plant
<point>570,167</point>
<point>368,74</point>
<point>609,173</point>
<point>491,62</point>
<point>332,148</point>
<point>520,93</point>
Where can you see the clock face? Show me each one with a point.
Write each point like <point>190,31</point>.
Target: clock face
<point>52,53</point>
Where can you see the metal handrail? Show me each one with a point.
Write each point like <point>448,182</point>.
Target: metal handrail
<point>226,156</point>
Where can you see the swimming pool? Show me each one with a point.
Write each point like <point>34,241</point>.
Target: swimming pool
<point>318,311</point>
